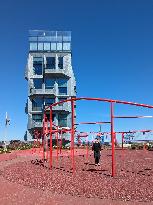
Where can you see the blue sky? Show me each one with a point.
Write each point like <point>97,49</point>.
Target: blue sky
<point>112,55</point>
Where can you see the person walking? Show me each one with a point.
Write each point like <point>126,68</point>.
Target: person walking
<point>96,147</point>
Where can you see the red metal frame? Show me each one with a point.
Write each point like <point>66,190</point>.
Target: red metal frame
<point>51,124</point>
<point>57,145</point>
<point>112,138</point>
<point>72,133</point>
<point>91,123</point>
<point>61,142</point>
<point>87,148</point>
<point>112,124</point>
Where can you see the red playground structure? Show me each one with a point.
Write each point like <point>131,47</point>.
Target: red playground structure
<point>50,129</point>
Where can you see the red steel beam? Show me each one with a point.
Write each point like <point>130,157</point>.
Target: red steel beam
<point>112,138</point>
<point>57,145</point>
<point>51,157</point>
<point>92,123</point>
<point>133,116</point>
<point>87,149</point>
<point>119,132</point>
<point>43,135</point>
<point>122,139</point>
<point>72,133</point>
<point>103,100</point>
<point>61,142</point>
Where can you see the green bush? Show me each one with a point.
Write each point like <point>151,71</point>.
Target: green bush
<point>133,147</point>
<point>2,150</point>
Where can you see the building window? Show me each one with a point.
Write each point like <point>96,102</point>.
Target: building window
<point>62,82</point>
<point>37,65</point>
<point>37,117</point>
<point>62,91</point>
<point>50,62</point>
<point>66,46</point>
<point>37,60</point>
<point>62,120</point>
<point>59,46</point>
<point>32,38</point>
<point>53,46</point>
<point>47,46</point>
<point>48,117</point>
<point>49,83</point>
<point>37,104</point>
<point>37,83</point>
<point>49,101</point>
<point>40,46</point>
<point>33,46</point>
<point>62,86</point>
<point>60,62</point>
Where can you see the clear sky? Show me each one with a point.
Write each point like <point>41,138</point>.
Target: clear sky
<point>112,55</point>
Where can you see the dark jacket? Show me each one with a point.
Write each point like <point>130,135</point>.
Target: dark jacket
<point>96,147</point>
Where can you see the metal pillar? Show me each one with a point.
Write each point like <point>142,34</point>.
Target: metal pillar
<point>43,136</point>
<point>112,139</point>
<point>72,134</point>
<point>57,145</point>
<point>87,154</point>
<point>61,142</point>
<point>122,139</point>
<point>51,124</point>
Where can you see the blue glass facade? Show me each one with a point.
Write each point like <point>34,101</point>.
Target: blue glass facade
<point>49,101</point>
<point>37,83</point>
<point>49,83</point>
<point>50,62</point>
<point>37,65</point>
<point>50,77</point>
<point>37,117</point>
<point>37,104</point>
<point>50,41</point>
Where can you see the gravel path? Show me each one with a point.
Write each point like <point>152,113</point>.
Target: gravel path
<point>132,184</point>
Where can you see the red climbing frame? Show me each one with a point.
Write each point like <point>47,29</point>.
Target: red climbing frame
<point>112,117</point>
<point>84,135</point>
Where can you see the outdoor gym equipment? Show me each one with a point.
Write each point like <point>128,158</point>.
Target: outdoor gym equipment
<point>72,130</point>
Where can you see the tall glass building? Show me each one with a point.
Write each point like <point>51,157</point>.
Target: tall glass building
<point>50,78</point>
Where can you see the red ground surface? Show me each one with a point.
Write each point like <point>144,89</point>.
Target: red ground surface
<point>23,182</point>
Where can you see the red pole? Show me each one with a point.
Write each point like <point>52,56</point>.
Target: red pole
<point>47,150</point>
<point>87,148</point>
<point>71,145</point>
<point>57,145</point>
<point>122,139</point>
<point>144,147</point>
<point>61,142</point>
<point>51,123</point>
<point>123,147</point>
<point>43,153</point>
<point>37,144</point>
<point>112,138</point>
<point>72,133</point>
<point>43,136</point>
<point>41,142</point>
<point>47,147</point>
